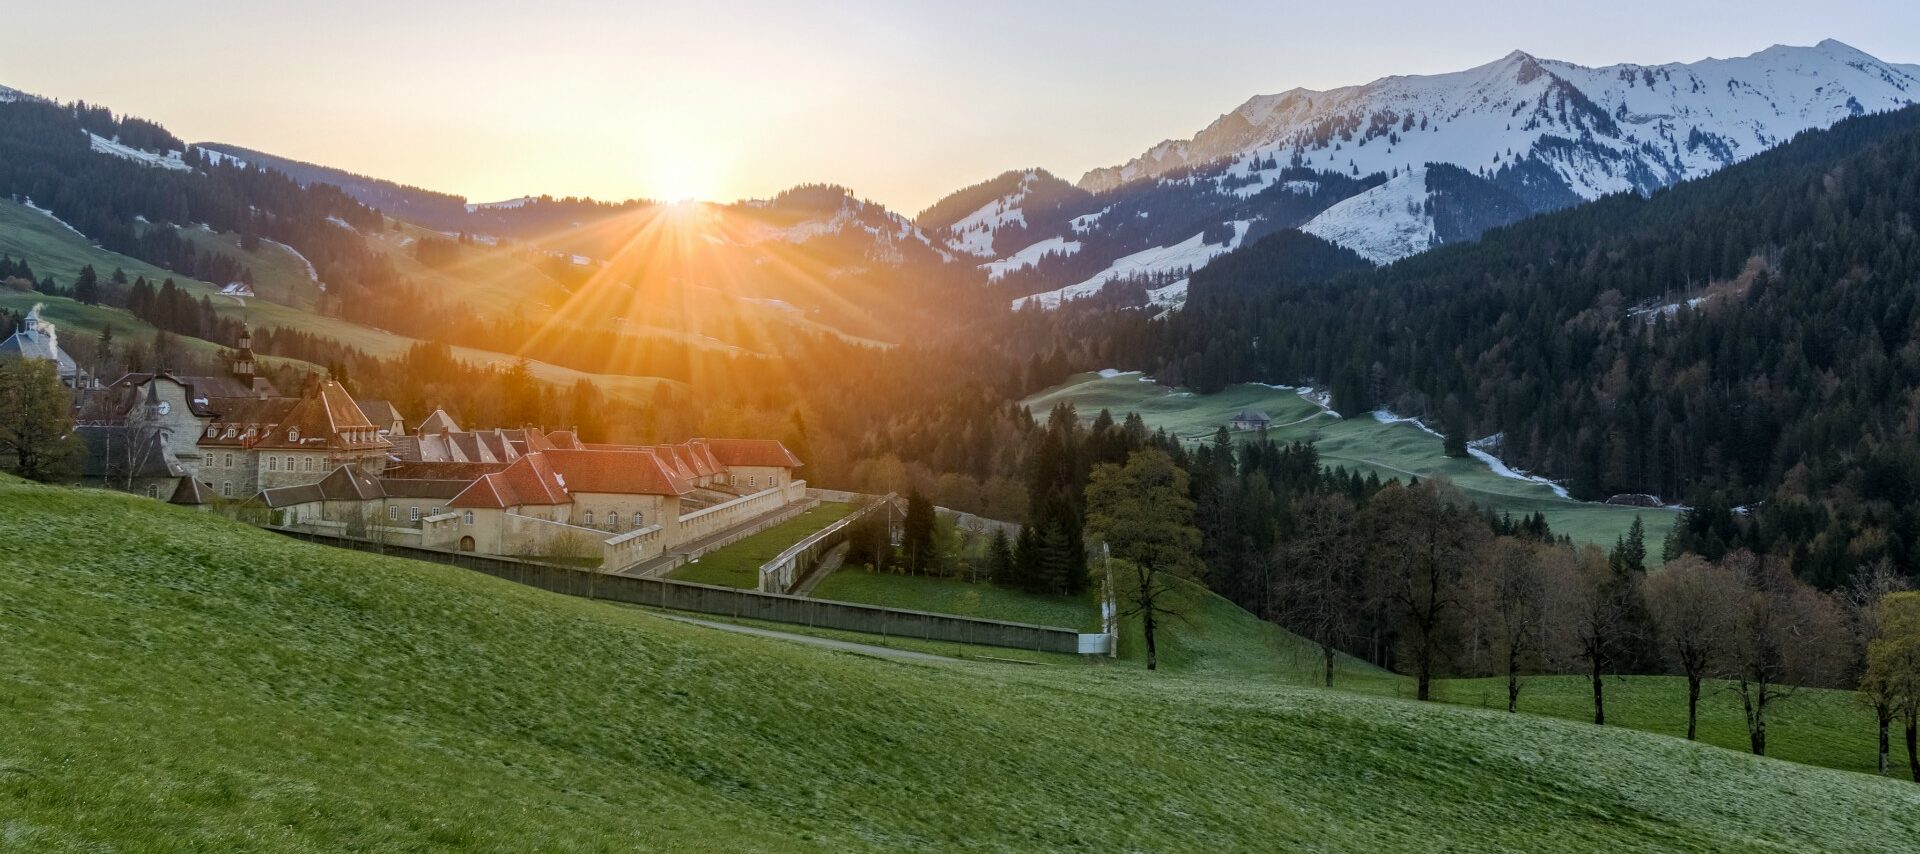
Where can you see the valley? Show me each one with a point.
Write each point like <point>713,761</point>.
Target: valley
<point>1373,443</point>
<point>1510,455</point>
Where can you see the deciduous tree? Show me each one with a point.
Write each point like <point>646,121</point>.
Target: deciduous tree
<point>1694,604</point>
<point>36,419</point>
<point>1318,588</point>
<point>1142,513</point>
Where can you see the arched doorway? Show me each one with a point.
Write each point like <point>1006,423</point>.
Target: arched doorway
<point>466,544</point>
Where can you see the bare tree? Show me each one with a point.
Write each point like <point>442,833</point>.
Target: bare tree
<point>1694,605</point>
<point>1421,538</point>
<point>1509,599</point>
<point>1590,622</point>
<point>1863,595</point>
<point>1318,590</point>
<point>1784,639</point>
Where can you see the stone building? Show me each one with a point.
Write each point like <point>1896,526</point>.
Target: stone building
<point>38,339</point>
<point>268,443</point>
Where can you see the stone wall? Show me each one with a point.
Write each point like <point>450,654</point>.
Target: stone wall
<point>726,601</point>
<point>719,517</point>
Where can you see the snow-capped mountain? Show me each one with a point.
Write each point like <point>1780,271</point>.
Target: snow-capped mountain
<point>1402,164</point>
<point>1544,126</point>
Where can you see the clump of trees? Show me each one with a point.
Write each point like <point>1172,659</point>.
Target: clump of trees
<point>37,441</point>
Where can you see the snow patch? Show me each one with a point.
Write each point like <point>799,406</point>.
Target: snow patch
<point>1384,224</point>
<point>163,160</point>
<point>973,233</point>
<point>49,215</point>
<point>312,274</point>
<point>1030,256</point>
<point>1478,449</point>
<point>1190,254</point>
<point>509,204</point>
<point>217,158</point>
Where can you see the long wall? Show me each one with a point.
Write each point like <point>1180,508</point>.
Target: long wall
<point>727,601</point>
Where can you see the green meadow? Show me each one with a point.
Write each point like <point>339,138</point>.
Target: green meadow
<point>1399,449</point>
<point>174,681</point>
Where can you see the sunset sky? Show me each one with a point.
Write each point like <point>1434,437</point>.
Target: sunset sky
<point>901,101</point>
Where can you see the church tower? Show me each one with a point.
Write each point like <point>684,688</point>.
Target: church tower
<point>242,368</point>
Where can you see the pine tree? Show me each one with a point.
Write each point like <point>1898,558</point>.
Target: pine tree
<point>916,540</point>
<point>1000,562</point>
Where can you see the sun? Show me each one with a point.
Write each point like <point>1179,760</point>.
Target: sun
<point>679,171</point>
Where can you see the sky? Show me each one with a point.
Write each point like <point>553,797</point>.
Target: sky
<point>901,101</point>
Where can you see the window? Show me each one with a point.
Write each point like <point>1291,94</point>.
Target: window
<point>753,481</point>
<point>306,464</point>
<point>613,521</point>
<point>293,434</point>
<point>228,462</point>
<point>226,489</point>
<point>211,430</point>
<point>637,523</point>
<point>467,517</point>
<point>153,490</point>
<point>289,464</point>
<point>413,514</point>
<point>589,518</point>
<point>393,512</point>
<point>273,464</point>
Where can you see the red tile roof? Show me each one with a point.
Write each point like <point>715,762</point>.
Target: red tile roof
<point>529,481</point>
<point>411,470</point>
<point>752,452</point>
<point>617,472</point>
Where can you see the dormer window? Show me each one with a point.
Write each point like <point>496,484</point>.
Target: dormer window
<point>212,431</point>
<point>293,434</point>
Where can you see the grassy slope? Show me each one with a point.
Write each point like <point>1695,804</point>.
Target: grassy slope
<point>953,596</point>
<point>52,248</point>
<point>1817,727</point>
<point>738,565</point>
<point>176,681</point>
<point>1392,450</point>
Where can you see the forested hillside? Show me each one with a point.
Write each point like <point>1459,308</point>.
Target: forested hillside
<point>1749,338</point>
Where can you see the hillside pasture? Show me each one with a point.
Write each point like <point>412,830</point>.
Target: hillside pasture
<point>177,681</point>
<point>1396,449</point>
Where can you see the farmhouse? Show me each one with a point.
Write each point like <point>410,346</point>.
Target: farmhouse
<point>1250,419</point>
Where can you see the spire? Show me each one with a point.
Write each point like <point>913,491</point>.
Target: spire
<point>242,368</point>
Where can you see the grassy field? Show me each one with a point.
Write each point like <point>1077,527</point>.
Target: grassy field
<point>1364,443</point>
<point>173,681</point>
<point>738,565</point>
<point>1826,728</point>
<point>954,596</point>
<point>279,274</point>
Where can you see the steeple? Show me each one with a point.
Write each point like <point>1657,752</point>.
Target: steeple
<point>242,367</point>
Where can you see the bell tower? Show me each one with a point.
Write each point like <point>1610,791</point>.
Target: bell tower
<point>242,367</point>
